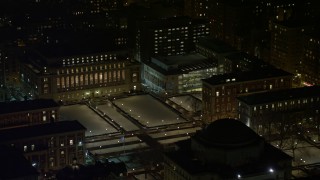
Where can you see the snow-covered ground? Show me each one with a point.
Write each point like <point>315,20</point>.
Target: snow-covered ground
<point>119,149</point>
<point>188,102</point>
<point>175,132</point>
<point>148,111</point>
<point>94,123</point>
<point>111,111</point>
<point>111,142</point>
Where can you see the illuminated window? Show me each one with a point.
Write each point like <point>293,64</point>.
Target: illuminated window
<point>71,142</point>
<point>25,148</point>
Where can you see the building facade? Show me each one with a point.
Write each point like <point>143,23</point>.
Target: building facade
<point>170,36</point>
<point>28,113</point>
<point>49,146</point>
<point>178,74</point>
<point>286,46</point>
<point>219,92</point>
<point>216,50</point>
<point>79,77</point>
<point>266,113</point>
<point>310,64</point>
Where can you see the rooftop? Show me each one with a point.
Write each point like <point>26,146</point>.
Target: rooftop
<point>281,95</point>
<point>29,105</point>
<point>226,133</point>
<point>180,64</point>
<point>14,165</point>
<point>252,75</point>
<point>215,45</point>
<point>69,43</point>
<point>40,130</point>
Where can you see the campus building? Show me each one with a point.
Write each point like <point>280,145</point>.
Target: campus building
<point>28,113</point>
<point>216,50</point>
<point>170,36</point>
<point>49,146</point>
<point>286,46</point>
<point>267,112</point>
<point>177,74</point>
<point>309,63</point>
<point>220,91</point>
<point>80,76</point>
<point>226,149</point>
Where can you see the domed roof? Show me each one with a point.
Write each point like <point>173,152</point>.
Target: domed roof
<point>227,132</point>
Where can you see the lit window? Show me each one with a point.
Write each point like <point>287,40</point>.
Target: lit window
<point>25,148</point>
<point>71,142</point>
<point>32,147</point>
<point>217,93</point>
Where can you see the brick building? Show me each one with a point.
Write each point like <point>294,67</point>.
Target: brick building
<point>28,113</point>
<point>268,112</point>
<point>219,92</point>
<point>49,146</point>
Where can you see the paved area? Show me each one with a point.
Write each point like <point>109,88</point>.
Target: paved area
<point>188,102</point>
<point>148,111</point>
<point>94,123</point>
<point>115,115</point>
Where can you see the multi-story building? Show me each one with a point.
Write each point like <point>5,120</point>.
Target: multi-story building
<point>101,6</point>
<point>232,21</point>
<point>309,63</point>
<point>170,36</point>
<point>178,74</point>
<point>226,149</point>
<point>242,61</point>
<point>28,113</point>
<point>215,49</point>
<point>219,92</point>
<point>286,46</point>
<point>268,112</point>
<point>49,146</point>
<point>78,76</point>
<point>196,8</point>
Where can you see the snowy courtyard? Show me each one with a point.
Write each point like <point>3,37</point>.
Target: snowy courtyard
<point>94,123</point>
<point>111,112</point>
<point>148,111</point>
<point>188,102</point>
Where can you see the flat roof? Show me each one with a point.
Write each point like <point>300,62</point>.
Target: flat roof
<point>29,105</point>
<point>262,73</point>
<point>40,130</point>
<point>281,95</point>
<point>216,45</point>
<point>168,62</point>
<point>180,64</point>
